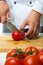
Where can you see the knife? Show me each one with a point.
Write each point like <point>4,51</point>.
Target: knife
<point>11,27</point>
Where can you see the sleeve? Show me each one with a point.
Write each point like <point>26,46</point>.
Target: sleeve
<point>41,1</point>
<point>38,6</point>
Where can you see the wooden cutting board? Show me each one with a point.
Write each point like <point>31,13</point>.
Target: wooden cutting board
<point>7,43</point>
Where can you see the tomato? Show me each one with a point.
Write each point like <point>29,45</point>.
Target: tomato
<point>17,53</point>
<point>10,53</point>
<point>41,50</point>
<point>22,35</point>
<point>12,61</point>
<point>21,56</point>
<point>41,57</point>
<point>32,50</point>
<point>31,60</point>
<point>18,35</point>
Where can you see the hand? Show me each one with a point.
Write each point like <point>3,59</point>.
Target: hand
<point>4,11</point>
<point>33,21</point>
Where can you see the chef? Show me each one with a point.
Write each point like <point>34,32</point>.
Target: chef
<point>23,13</point>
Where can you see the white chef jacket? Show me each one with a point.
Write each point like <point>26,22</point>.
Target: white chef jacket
<point>20,9</point>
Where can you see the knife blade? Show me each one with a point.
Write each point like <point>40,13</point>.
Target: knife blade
<point>11,27</point>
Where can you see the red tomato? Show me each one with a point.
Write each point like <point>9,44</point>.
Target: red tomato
<point>22,35</point>
<point>21,56</point>
<point>41,57</point>
<point>31,60</point>
<point>10,53</point>
<point>17,35</point>
<point>41,50</point>
<point>13,61</point>
<point>32,49</point>
<point>17,53</point>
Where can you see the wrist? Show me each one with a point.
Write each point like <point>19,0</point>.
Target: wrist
<point>36,13</point>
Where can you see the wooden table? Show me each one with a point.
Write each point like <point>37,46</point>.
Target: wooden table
<point>7,43</point>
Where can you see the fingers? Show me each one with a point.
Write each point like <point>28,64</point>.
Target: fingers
<point>33,32</point>
<point>30,31</point>
<point>36,33</point>
<point>3,19</point>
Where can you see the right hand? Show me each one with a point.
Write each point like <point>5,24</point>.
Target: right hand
<point>33,21</point>
<point>4,11</point>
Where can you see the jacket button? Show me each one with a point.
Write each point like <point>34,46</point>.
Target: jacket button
<point>15,2</point>
<point>30,2</point>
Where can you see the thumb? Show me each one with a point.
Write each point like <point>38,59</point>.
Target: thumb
<point>8,15</point>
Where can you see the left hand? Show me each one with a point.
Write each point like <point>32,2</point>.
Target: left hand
<point>4,12</point>
<point>33,21</point>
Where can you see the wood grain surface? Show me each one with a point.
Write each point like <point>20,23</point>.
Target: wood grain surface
<point>7,43</point>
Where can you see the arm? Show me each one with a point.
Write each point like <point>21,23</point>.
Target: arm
<point>33,20</point>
